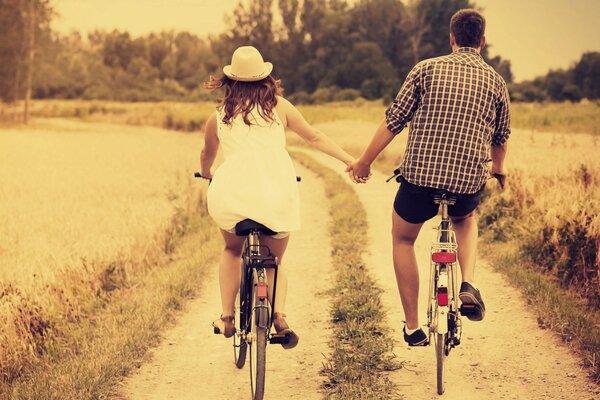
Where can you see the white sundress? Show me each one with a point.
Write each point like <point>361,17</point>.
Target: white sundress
<point>257,179</point>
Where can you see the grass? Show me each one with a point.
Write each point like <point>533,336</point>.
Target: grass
<point>178,116</point>
<point>361,344</point>
<point>73,191</point>
<point>87,357</point>
<point>100,231</point>
<point>563,117</point>
<point>566,117</point>
<point>558,309</point>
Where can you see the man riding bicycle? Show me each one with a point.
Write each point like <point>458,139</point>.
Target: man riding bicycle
<point>458,106</point>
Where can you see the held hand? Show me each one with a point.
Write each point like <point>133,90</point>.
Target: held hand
<point>359,172</point>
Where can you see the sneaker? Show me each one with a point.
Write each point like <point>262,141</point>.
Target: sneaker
<point>472,304</point>
<point>282,328</point>
<point>417,338</point>
<point>224,325</point>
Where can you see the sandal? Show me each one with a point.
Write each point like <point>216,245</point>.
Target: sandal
<point>224,325</point>
<point>282,329</point>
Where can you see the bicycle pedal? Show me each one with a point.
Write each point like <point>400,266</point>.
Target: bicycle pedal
<point>279,339</point>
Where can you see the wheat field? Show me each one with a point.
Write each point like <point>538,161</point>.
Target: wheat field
<point>73,193</point>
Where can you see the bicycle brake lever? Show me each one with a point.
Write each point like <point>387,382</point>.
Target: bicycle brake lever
<point>396,174</point>
<point>500,178</point>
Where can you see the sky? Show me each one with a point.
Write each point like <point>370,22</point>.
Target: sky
<point>535,35</point>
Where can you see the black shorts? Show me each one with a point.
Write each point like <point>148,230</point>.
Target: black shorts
<point>415,203</point>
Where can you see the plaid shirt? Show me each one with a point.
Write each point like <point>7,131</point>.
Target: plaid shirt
<point>458,106</point>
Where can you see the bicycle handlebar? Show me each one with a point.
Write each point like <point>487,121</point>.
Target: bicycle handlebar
<point>499,177</point>
<point>198,175</point>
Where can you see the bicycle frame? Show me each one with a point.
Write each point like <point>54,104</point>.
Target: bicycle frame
<point>443,275</point>
<point>443,308</point>
<point>255,318</point>
<point>257,264</point>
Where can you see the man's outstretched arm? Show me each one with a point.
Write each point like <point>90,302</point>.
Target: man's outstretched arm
<point>382,137</point>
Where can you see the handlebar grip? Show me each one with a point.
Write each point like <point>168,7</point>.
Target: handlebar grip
<point>501,179</point>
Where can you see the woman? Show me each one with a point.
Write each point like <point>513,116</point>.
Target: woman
<point>257,179</point>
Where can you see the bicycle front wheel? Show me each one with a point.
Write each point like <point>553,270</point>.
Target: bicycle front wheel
<point>440,353</point>
<point>242,316</point>
<point>240,346</point>
<point>258,350</point>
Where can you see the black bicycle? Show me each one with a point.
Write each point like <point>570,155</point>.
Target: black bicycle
<point>253,313</point>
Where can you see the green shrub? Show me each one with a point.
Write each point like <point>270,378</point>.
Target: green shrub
<point>324,95</point>
<point>347,95</point>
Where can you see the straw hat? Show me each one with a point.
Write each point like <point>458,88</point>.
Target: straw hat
<point>247,65</point>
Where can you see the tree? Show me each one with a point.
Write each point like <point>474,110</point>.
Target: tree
<point>117,49</point>
<point>437,14</point>
<point>22,23</point>
<point>380,21</point>
<point>251,24</point>
<point>586,75</point>
<point>500,65</point>
<point>12,48</point>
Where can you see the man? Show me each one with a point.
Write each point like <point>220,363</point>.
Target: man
<point>458,106</point>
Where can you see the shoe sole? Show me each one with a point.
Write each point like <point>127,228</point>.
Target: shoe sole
<point>293,339</point>
<point>468,298</point>
<point>422,343</point>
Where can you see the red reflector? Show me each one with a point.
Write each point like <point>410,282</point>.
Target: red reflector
<point>261,290</point>
<point>442,296</point>
<point>444,257</point>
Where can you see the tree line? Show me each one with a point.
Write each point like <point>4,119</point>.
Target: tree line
<point>582,80</point>
<point>322,50</point>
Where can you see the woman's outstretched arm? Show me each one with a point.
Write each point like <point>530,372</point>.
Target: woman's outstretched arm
<point>317,139</point>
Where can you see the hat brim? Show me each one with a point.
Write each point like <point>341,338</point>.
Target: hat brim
<point>267,71</point>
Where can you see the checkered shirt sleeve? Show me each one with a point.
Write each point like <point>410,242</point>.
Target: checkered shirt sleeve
<point>402,110</point>
<point>502,131</point>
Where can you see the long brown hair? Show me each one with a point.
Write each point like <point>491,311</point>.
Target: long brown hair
<point>242,97</point>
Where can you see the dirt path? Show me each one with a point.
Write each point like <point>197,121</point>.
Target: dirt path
<point>506,356</point>
<point>192,363</point>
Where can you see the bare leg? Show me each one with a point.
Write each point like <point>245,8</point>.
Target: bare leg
<point>230,270</point>
<point>404,235</point>
<point>277,247</point>
<point>466,238</point>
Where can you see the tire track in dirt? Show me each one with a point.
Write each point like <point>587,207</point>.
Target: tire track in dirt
<point>192,363</point>
<point>506,356</point>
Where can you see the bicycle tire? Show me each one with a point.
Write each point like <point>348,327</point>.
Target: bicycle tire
<point>242,315</point>
<point>440,355</point>
<point>240,346</point>
<point>258,351</point>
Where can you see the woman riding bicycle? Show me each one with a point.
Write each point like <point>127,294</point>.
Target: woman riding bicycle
<point>257,179</point>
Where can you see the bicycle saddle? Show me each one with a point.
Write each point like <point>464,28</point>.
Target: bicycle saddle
<point>440,194</point>
<point>243,228</point>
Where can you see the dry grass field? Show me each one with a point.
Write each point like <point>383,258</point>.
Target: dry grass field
<point>87,213</point>
<point>84,207</point>
<point>72,192</point>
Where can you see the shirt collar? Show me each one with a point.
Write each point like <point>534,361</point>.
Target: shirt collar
<point>467,50</point>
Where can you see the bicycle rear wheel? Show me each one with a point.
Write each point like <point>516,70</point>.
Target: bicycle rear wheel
<point>258,349</point>
<point>440,353</point>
